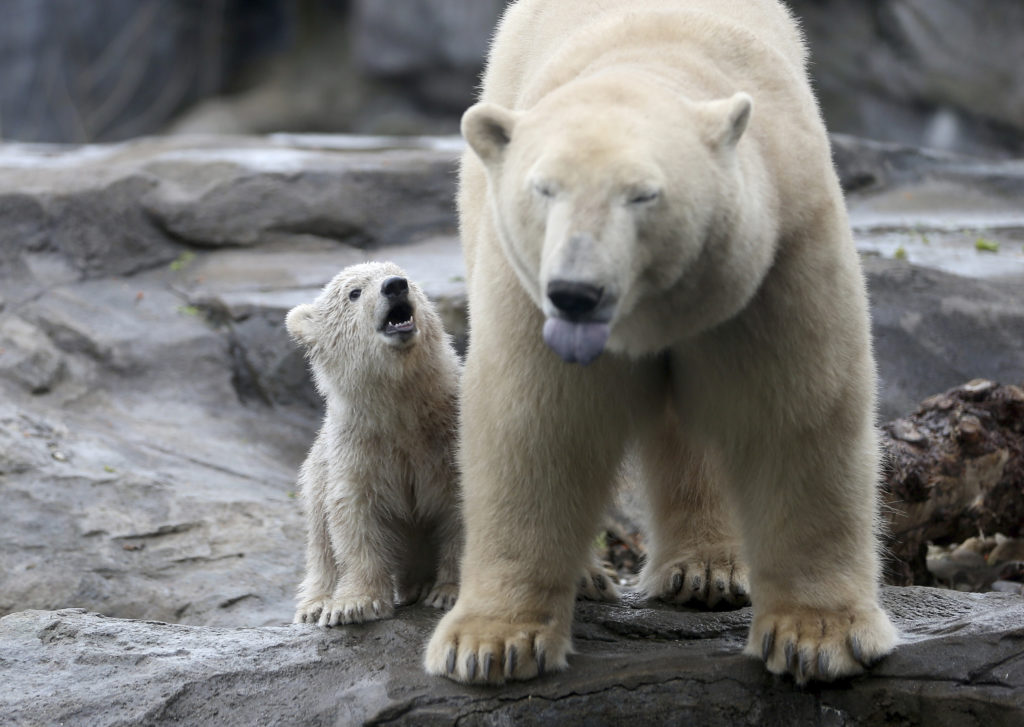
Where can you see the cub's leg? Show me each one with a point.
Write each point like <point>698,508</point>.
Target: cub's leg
<point>807,506</point>
<point>321,576</point>
<point>694,552</point>
<point>362,543</point>
<point>449,549</point>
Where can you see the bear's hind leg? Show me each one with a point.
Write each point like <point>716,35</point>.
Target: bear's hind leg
<point>694,552</point>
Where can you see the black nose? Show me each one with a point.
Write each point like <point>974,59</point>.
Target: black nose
<point>395,288</point>
<point>574,299</point>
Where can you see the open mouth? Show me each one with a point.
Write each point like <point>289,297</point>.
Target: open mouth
<point>399,321</point>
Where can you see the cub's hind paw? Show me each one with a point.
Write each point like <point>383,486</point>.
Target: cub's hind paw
<point>356,609</point>
<point>823,645</point>
<point>442,595</point>
<point>481,650</point>
<point>704,578</point>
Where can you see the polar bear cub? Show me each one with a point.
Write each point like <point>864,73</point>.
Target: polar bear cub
<point>379,486</point>
<point>659,262</point>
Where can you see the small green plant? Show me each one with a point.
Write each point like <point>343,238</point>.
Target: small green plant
<point>188,310</point>
<point>180,262</point>
<point>108,468</point>
<point>983,244</point>
<point>901,253</point>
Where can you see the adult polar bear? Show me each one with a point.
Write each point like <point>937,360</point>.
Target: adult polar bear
<point>650,185</point>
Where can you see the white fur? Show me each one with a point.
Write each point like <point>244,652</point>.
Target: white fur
<point>379,486</point>
<point>671,154</point>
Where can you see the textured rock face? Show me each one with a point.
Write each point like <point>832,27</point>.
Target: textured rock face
<point>961,663</point>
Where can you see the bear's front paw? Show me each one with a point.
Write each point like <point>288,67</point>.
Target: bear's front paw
<point>703,577</point>
<point>356,609</point>
<point>596,584</point>
<point>309,610</point>
<point>480,650</point>
<point>820,644</point>
<point>442,595</point>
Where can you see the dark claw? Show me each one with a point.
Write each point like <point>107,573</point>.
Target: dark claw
<point>720,585</point>
<point>803,663</point>
<point>697,584</point>
<point>510,661</point>
<point>767,645</point>
<point>488,658</point>
<point>599,582</point>
<point>677,583</point>
<point>583,583</point>
<point>823,663</point>
<point>858,651</point>
<point>790,652</point>
<point>450,663</point>
<point>471,666</point>
<point>541,657</point>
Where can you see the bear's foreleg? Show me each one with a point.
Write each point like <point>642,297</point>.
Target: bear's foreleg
<point>808,513</point>
<point>540,449</point>
<point>445,589</point>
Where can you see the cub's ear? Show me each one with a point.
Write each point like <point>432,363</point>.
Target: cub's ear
<point>300,324</point>
<point>726,119</point>
<point>488,128</point>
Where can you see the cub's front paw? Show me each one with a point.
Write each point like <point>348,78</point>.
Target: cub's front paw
<point>708,578</point>
<point>820,644</point>
<point>310,609</point>
<point>480,650</point>
<point>596,584</point>
<point>356,608</point>
<point>442,595</point>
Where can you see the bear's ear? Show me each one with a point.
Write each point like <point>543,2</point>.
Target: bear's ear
<point>726,119</point>
<point>300,324</point>
<point>488,128</point>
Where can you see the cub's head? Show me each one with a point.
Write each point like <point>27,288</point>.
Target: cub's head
<point>367,321</point>
<point>616,201</point>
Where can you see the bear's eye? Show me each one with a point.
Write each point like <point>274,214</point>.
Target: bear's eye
<point>643,196</point>
<point>544,189</point>
<point>355,293</point>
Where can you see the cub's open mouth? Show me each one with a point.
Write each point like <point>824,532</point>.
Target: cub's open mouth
<point>399,321</point>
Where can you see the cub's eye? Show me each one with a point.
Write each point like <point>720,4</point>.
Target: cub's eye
<point>355,293</point>
<point>644,196</point>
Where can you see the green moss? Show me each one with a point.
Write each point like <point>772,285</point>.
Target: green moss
<point>983,244</point>
<point>901,253</point>
<point>182,261</point>
<point>188,310</point>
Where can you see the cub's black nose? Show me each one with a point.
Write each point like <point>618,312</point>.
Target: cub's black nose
<point>574,299</point>
<point>395,288</point>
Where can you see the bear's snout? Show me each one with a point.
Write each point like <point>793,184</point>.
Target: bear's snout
<point>573,299</point>
<point>394,288</point>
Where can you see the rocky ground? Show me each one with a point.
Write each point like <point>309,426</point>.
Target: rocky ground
<point>153,414</point>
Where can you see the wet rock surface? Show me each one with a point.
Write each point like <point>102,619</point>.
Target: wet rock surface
<point>961,663</point>
<point>153,414</point>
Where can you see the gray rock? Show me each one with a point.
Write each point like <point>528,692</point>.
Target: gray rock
<point>960,663</point>
<point>151,474</point>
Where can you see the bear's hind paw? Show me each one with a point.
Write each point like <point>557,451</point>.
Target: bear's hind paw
<point>596,584</point>
<point>702,579</point>
<point>812,644</point>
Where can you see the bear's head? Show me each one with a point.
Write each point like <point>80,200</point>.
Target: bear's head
<point>624,209</point>
<point>365,324</point>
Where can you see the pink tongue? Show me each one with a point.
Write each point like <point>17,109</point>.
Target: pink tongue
<point>575,342</point>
